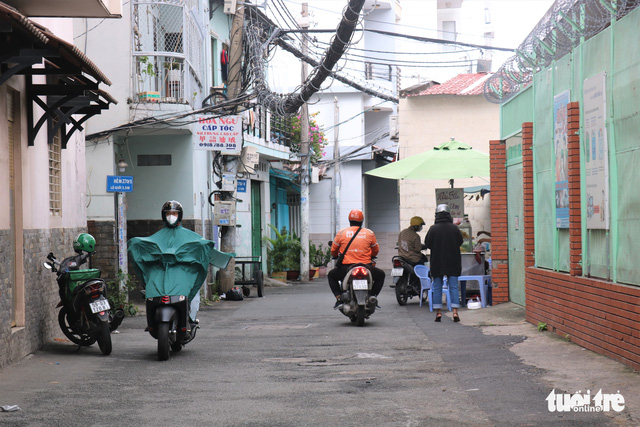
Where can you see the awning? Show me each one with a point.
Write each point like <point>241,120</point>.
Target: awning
<point>71,94</point>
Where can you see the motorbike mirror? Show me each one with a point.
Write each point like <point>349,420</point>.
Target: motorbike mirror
<point>330,242</point>
<point>47,265</point>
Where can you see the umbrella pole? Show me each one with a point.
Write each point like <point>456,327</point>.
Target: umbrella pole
<point>451,183</point>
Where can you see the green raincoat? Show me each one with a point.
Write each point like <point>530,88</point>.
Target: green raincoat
<point>174,261</point>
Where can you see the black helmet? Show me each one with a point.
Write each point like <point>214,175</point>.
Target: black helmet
<point>171,205</point>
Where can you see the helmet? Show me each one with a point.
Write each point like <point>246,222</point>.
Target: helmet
<point>171,205</point>
<point>443,208</point>
<point>416,220</point>
<point>84,242</point>
<point>356,215</point>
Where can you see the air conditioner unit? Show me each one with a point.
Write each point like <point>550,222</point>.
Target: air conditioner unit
<point>394,129</point>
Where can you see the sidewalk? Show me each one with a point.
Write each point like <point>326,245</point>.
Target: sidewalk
<point>566,365</point>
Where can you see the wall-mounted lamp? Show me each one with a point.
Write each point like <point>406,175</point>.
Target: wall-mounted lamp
<point>122,165</point>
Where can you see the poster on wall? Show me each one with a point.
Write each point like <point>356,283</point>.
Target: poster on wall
<point>454,197</point>
<point>560,136</point>
<point>222,134</point>
<point>596,152</point>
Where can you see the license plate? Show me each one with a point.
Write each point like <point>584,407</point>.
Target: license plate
<point>397,271</point>
<point>100,305</point>
<point>360,285</point>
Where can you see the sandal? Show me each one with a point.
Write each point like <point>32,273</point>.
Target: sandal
<point>438,317</point>
<point>456,318</point>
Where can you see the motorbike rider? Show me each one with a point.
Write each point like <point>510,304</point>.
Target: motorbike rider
<point>362,249</point>
<point>172,217</point>
<point>84,244</point>
<point>409,242</point>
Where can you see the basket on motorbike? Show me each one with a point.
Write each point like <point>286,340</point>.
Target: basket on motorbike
<point>78,277</point>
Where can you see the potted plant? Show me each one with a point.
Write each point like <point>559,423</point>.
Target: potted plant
<point>283,254</point>
<point>319,258</point>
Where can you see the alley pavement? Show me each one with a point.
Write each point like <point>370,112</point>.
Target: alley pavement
<point>290,360</point>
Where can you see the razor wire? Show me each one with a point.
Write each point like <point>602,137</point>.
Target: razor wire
<point>567,24</point>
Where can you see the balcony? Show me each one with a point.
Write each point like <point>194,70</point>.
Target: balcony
<point>68,8</point>
<point>160,79</point>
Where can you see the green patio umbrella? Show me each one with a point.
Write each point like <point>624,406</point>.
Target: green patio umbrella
<point>449,160</point>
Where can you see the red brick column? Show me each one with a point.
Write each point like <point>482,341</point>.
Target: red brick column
<point>527,184</point>
<point>575,219</point>
<point>499,221</point>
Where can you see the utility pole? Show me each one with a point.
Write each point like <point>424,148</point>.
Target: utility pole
<point>234,86</point>
<point>336,168</point>
<point>304,155</point>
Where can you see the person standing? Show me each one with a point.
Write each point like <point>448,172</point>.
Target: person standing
<point>363,247</point>
<point>444,239</point>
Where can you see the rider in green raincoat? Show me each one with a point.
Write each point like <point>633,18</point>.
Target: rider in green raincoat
<point>175,260</point>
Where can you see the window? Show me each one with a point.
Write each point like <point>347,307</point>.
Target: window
<point>55,176</point>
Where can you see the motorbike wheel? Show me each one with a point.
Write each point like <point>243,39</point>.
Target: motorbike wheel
<point>75,337</point>
<point>163,341</point>
<point>104,338</point>
<point>401,291</point>
<point>360,316</point>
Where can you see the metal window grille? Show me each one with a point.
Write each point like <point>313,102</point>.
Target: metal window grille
<point>167,49</point>
<point>281,130</point>
<point>55,177</point>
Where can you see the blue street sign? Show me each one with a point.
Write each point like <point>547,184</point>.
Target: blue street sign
<point>242,186</point>
<point>119,184</point>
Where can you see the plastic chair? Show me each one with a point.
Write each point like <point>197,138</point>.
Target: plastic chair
<point>422,271</point>
<point>445,291</point>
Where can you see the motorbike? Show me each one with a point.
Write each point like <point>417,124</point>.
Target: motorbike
<point>85,315</point>
<point>168,322</point>
<point>407,284</point>
<point>358,303</point>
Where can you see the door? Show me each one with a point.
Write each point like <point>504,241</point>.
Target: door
<point>515,214</point>
<point>256,220</point>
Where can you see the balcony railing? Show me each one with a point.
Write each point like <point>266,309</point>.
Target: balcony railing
<point>160,79</point>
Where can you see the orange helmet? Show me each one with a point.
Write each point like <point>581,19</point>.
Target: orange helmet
<point>356,215</point>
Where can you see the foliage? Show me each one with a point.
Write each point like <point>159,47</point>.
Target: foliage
<point>542,326</point>
<point>284,252</point>
<point>318,256</point>
<point>119,298</point>
<point>317,140</point>
<point>146,67</point>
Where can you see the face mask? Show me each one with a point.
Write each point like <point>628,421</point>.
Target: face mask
<point>172,219</point>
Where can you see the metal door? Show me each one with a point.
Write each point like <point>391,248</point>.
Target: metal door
<point>515,214</point>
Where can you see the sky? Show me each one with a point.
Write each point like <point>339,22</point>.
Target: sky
<point>511,20</point>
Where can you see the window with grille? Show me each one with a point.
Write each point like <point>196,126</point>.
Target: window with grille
<point>55,177</point>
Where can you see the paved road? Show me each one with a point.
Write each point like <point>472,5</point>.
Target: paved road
<point>288,359</point>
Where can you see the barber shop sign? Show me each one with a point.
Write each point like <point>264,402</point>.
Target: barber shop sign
<point>223,134</point>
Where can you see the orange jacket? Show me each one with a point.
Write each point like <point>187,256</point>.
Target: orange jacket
<point>363,247</point>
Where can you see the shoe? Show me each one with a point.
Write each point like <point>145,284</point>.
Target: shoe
<point>456,318</point>
<point>438,317</point>
<point>337,304</point>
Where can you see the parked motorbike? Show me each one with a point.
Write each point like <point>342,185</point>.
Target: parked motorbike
<point>358,303</point>
<point>168,322</point>
<point>85,314</point>
<point>406,282</point>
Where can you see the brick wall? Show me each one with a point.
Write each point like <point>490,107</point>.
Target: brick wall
<point>41,292</point>
<point>596,314</point>
<point>499,246</point>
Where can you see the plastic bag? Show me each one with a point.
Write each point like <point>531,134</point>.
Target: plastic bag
<point>234,294</point>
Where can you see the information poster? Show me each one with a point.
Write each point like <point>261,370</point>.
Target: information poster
<point>560,136</point>
<point>222,134</point>
<point>596,152</point>
<point>454,197</point>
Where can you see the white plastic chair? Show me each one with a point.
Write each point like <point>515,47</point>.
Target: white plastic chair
<point>422,271</point>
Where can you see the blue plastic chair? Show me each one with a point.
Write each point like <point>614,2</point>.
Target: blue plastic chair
<point>422,271</point>
<point>445,291</point>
